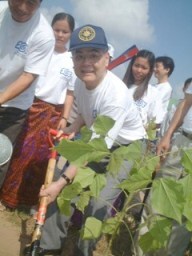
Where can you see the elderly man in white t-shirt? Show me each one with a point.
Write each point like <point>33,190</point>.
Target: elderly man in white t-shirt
<point>26,46</point>
<point>97,92</point>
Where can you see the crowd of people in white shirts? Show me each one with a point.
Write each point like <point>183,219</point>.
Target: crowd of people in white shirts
<point>84,85</point>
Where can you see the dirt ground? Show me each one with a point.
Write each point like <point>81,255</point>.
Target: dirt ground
<point>13,233</point>
<point>16,229</point>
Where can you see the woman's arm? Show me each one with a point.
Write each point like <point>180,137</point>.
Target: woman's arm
<point>66,110</point>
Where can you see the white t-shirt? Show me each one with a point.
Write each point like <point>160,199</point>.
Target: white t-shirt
<point>165,91</point>
<point>149,106</point>
<point>3,5</point>
<point>111,98</point>
<point>187,122</point>
<point>26,46</point>
<point>60,77</point>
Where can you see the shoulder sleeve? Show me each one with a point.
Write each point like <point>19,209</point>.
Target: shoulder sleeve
<point>39,54</point>
<point>3,8</point>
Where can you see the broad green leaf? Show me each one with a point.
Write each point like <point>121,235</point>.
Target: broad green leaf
<point>147,165</point>
<point>103,124</point>
<point>86,134</point>
<point>140,178</point>
<point>92,228</point>
<point>71,191</point>
<point>157,236</point>
<point>64,206</point>
<point>83,201</point>
<point>187,185</point>
<point>84,177</point>
<point>135,150</point>
<point>131,153</point>
<point>99,144</point>
<point>94,156</point>
<point>189,225</point>
<point>79,153</point>
<point>187,160</point>
<point>167,198</point>
<point>72,150</point>
<point>187,211</point>
<point>186,182</point>
<point>137,181</point>
<point>135,168</point>
<point>110,225</point>
<point>115,162</point>
<point>151,162</point>
<point>98,184</point>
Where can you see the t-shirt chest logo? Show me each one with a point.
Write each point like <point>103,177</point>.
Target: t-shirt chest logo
<point>141,103</point>
<point>21,47</point>
<point>66,73</point>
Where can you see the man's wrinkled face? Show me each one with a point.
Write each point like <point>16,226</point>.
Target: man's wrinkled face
<point>23,10</point>
<point>90,65</point>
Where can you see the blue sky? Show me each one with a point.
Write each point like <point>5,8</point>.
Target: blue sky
<point>162,26</point>
<point>172,22</point>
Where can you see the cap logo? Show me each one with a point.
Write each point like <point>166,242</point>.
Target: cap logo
<point>87,34</point>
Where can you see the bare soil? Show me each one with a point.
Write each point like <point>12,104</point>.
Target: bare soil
<point>15,230</point>
<point>17,227</point>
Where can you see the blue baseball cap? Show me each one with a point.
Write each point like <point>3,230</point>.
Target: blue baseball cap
<point>88,36</point>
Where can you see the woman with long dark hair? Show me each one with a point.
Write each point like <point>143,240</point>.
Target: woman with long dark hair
<point>137,79</point>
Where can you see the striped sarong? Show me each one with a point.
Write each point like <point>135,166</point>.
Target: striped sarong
<point>28,165</point>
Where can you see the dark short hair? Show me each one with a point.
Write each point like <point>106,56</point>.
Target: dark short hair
<point>64,16</point>
<point>187,83</point>
<point>167,63</point>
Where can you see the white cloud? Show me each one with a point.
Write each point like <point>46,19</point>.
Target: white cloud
<point>125,21</point>
<point>49,13</point>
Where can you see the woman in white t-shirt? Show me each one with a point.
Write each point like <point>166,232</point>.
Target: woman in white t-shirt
<point>51,109</point>
<point>145,95</point>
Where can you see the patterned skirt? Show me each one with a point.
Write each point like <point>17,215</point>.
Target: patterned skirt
<point>28,165</point>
